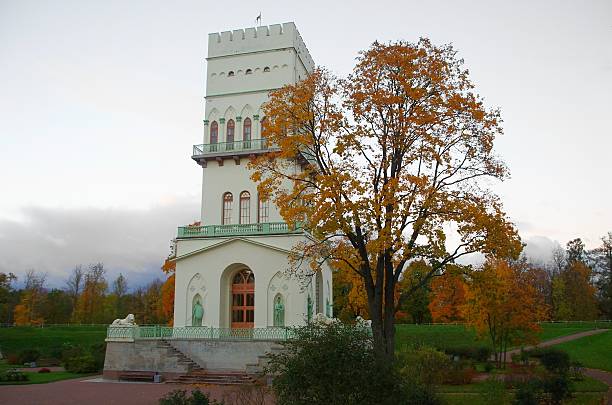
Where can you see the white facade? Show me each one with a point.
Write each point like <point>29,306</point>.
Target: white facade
<point>243,66</point>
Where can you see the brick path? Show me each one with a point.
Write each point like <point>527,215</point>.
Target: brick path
<point>84,391</point>
<point>556,341</point>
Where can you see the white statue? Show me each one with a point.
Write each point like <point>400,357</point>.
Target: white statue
<point>323,319</point>
<point>128,321</point>
<point>363,322</point>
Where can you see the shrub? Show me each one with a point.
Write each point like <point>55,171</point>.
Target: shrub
<point>556,361</point>
<point>488,367</point>
<point>28,356</point>
<point>180,397</point>
<point>12,359</point>
<point>559,388</point>
<point>98,351</point>
<point>14,375</point>
<point>459,373</point>
<point>477,353</point>
<point>529,393</point>
<point>333,364</point>
<point>494,392</point>
<point>44,370</point>
<point>421,394</point>
<point>81,364</point>
<point>424,365</point>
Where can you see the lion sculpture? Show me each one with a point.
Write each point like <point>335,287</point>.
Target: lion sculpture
<point>128,321</point>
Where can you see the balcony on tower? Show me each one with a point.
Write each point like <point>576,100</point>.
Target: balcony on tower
<point>230,150</point>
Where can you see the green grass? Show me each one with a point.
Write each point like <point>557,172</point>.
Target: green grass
<point>582,398</point>
<point>14,340</point>
<point>593,351</point>
<point>456,336</point>
<point>588,384</point>
<point>43,378</point>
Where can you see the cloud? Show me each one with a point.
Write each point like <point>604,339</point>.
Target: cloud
<point>539,249</point>
<point>134,242</point>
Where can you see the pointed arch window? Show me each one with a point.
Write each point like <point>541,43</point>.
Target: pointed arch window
<point>245,207</point>
<point>231,127</point>
<point>228,200</point>
<point>246,133</point>
<point>214,136</point>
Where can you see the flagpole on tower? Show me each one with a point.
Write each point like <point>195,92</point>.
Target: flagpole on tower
<point>258,19</point>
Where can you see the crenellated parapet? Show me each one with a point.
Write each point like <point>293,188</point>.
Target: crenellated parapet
<point>259,39</point>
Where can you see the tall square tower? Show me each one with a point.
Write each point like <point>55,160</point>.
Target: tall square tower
<point>230,268</point>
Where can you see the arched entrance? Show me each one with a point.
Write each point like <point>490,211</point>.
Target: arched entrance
<point>243,299</point>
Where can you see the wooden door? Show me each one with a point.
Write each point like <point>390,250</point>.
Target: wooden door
<point>243,300</point>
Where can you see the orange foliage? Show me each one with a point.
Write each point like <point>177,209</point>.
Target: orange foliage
<point>385,158</point>
<point>167,291</point>
<point>448,294</point>
<point>503,303</point>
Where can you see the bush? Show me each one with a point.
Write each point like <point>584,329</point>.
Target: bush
<point>98,351</point>
<point>44,370</point>
<point>81,364</point>
<point>555,361</point>
<point>529,393</point>
<point>476,353</point>
<point>333,364</point>
<point>12,359</point>
<point>28,356</point>
<point>488,367</point>
<point>494,392</point>
<point>459,373</point>
<point>424,365</point>
<point>420,394</point>
<point>180,397</point>
<point>558,387</point>
<point>14,375</point>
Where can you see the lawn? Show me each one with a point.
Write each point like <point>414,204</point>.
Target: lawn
<point>14,340</point>
<point>457,336</point>
<point>38,378</point>
<point>593,351</point>
<point>589,391</point>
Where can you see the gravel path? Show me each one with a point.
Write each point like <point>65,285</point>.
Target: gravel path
<point>556,341</point>
<point>603,376</point>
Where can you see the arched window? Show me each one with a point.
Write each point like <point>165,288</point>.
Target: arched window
<point>248,72</point>
<point>214,136</point>
<point>266,69</point>
<point>230,134</point>
<point>243,300</point>
<point>245,207</point>
<point>246,134</point>
<point>262,125</point>
<point>228,199</point>
<point>263,211</point>
<point>230,73</point>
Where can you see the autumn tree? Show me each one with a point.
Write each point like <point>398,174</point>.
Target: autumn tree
<point>448,295</point>
<point>601,258</point>
<point>415,308</point>
<point>573,292</point>
<point>28,311</point>
<point>90,306</point>
<point>7,297</point>
<point>503,304</point>
<point>74,285</point>
<point>377,164</point>
<point>167,291</point>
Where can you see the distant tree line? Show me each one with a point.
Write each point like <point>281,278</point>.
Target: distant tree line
<point>576,284</point>
<point>87,297</point>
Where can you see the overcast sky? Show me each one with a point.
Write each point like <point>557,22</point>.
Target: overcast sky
<point>100,102</point>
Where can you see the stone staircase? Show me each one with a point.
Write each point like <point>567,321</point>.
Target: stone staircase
<point>198,375</point>
<point>192,366</point>
<point>263,361</point>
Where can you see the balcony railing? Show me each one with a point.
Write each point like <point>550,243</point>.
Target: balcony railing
<point>230,147</point>
<point>269,228</point>
<point>131,333</point>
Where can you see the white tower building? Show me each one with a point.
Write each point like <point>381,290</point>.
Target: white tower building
<point>230,268</point>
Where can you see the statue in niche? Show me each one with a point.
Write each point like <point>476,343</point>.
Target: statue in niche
<point>328,308</point>
<point>279,311</point>
<point>309,309</point>
<point>197,313</point>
